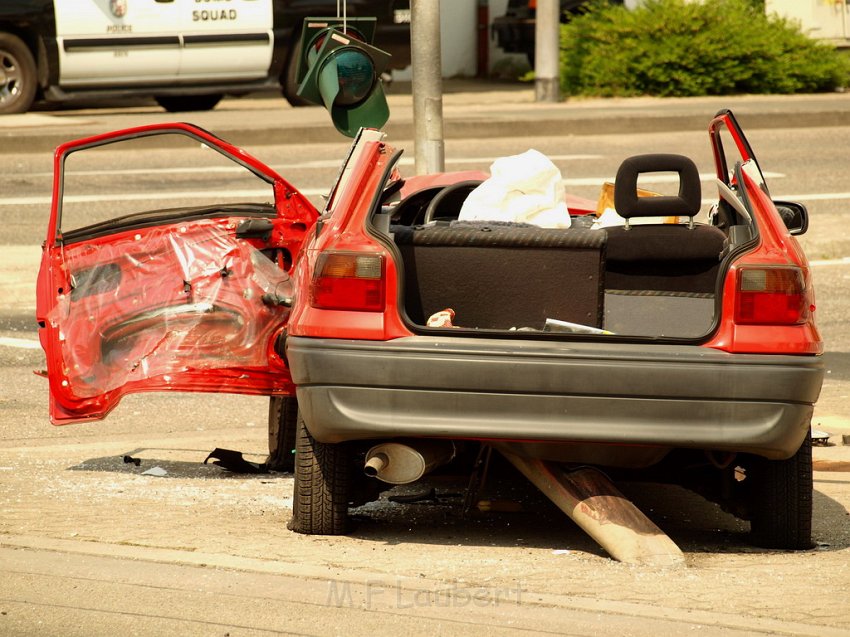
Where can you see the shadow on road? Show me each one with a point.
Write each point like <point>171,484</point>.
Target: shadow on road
<point>693,523</point>
<point>165,463</point>
<point>509,513</point>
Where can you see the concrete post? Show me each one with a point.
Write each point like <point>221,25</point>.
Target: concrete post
<point>547,31</point>
<point>427,86</point>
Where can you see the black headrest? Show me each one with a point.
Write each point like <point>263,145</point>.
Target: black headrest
<point>627,202</point>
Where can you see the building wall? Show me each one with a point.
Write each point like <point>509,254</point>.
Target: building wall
<point>459,39</point>
<point>458,35</point>
<point>821,19</point>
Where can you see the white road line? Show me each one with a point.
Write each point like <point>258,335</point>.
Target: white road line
<point>660,178</point>
<point>819,196</point>
<point>826,262</point>
<point>265,194</point>
<point>206,195</point>
<point>316,163</point>
<point>19,343</point>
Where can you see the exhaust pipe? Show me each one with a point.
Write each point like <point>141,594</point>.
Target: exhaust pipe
<point>403,462</point>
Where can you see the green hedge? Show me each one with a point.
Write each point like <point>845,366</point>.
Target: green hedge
<point>680,48</point>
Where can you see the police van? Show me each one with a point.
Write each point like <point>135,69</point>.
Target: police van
<point>187,54</point>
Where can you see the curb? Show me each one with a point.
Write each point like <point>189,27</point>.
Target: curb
<point>483,126</point>
<point>831,465</point>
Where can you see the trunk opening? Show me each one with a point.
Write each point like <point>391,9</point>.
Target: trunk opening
<point>645,281</point>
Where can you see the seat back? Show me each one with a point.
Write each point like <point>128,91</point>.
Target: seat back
<point>664,257</point>
<point>629,205</point>
<point>660,278</point>
<point>501,275</point>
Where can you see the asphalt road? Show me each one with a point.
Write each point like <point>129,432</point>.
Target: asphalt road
<point>90,546</point>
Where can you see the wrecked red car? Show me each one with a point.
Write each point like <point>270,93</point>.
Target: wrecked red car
<point>676,344</point>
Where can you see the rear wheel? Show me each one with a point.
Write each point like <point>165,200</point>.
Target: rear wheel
<point>781,501</point>
<point>322,485</point>
<point>17,75</point>
<point>180,103</point>
<point>283,420</point>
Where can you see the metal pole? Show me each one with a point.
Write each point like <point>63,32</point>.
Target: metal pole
<point>547,31</point>
<point>427,86</point>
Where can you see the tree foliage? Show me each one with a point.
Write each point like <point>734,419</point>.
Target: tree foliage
<point>685,48</point>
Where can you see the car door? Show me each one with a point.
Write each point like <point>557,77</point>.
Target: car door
<point>117,42</point>
<point>225,40</point>
<point>134,296</point>
<point>732,147</point>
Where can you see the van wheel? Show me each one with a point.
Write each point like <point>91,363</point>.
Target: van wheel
<point>283,419</point>
<point>17,75</point>
<point>781,501</point>
<point>322,485</point>
<point>180,103</point>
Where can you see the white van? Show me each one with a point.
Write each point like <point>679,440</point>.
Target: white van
<point>185,53</point>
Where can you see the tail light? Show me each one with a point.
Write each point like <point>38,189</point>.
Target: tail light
<point>772,296</point>
<point>349,281</point>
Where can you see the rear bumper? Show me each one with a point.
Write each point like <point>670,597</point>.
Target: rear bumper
<point>535,391</point>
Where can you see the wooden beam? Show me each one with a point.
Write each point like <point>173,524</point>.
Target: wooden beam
<point>602,511</point>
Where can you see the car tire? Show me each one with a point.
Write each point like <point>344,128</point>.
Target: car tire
<point>18,77</point>
<point>283,420</point>
<point>781,501</point>
<point>322,485</point>
<point>181,103</point>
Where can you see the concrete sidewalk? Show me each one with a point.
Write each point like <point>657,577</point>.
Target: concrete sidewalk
<point>472,109</point>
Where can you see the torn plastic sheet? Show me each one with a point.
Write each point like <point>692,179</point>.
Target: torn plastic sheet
<point>167,299</point>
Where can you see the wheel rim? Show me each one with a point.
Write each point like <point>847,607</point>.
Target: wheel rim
<point>10,78</point>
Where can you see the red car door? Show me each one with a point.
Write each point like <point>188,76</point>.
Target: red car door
<point>730,146</point>
<point>177,299</point>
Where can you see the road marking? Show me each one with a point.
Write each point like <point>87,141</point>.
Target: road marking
<point>820,196</point>
<point>19,343</point>
<point>265,195</point>
<point>316,163</point>
<point>660,178</point>
<point>826,262</point>
<point>38,120</point>
<point>309,192</point>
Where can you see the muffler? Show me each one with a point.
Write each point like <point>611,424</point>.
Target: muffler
<point>403,462</point>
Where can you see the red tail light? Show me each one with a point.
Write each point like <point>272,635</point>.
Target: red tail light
<point>772,296</point>
<point>349,281</point>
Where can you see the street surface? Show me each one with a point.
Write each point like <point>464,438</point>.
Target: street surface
<point>90,545</point>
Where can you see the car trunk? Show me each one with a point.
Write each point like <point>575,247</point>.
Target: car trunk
<point>647,280</point>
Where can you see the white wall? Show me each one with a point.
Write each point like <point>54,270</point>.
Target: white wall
<point>819,19</point>
<point>458,35</point>
<point>458,20</point>
<point>459,39</point>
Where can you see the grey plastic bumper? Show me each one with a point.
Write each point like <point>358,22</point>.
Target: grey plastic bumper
<point>673,396</point>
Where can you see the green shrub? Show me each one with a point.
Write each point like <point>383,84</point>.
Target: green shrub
<point>680,48</point>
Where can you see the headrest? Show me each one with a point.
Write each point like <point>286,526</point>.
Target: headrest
<point>629,205</point>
